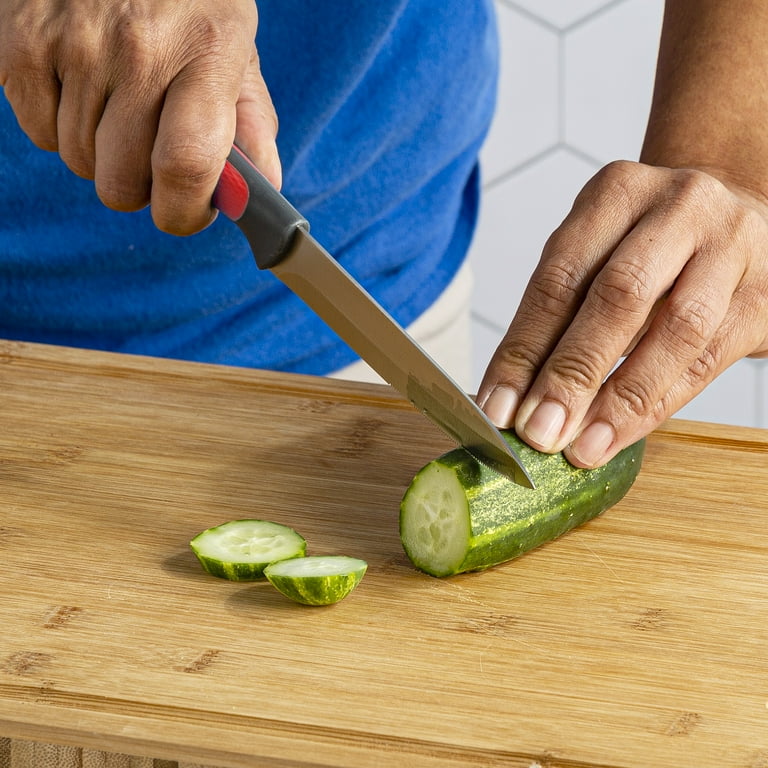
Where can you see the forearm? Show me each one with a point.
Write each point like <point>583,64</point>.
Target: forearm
<point>710,105</point>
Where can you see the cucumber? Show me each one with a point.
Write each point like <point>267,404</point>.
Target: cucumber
<point>316,580</point>
<point>458,515</point>
<point>240,550</point>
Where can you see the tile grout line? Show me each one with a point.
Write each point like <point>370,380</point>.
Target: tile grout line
<point>521,167</point>
<point>489,325</point>
<point>530,15</point>
<point>553,26</point>
<point>592,15</point>
<point>562,121</point>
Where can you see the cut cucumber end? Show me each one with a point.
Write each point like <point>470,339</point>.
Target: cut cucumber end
<point>316,580</point>
<point>457,515</point>
<point>240,550</point>
<point>435,520</point>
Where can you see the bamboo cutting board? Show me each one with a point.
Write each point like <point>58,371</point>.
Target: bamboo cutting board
<point>638,640</point>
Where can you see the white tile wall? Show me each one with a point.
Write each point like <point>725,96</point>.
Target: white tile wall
<point>575,89</point>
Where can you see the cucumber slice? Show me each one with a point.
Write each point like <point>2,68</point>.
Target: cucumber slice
<point>240,550</point>
<point>457,515</point>
<point>317,580</point>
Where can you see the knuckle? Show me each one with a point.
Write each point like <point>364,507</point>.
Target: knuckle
<point>747,226</point>
<point>23,41</point>
<point>618,186</point>
<point>689,324</point>
<point>135,47</point>
<point>216,37</point>
<point>138,38</point>
<point>582,371</point>
<point>186,164</point>
<point>694,193</point>
<point>639,397</point>
<point>213,34</point>
<point>697,187</point>
<point>626,286</point>
<point>554,284</point>
<point>620,173</point>
<point>516,356</point>
<point>706,365</point>
<point>620,183</point>
<point>84,58</point>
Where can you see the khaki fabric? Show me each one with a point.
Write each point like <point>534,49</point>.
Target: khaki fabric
<point>18,753</point>
<point>94,758</point>
<point>33,754</point>
<point>5,753</point>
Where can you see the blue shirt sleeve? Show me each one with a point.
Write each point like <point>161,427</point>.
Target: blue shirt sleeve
<point>382,106</point>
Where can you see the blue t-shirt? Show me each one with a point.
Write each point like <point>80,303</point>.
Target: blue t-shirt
<point>382,108</point>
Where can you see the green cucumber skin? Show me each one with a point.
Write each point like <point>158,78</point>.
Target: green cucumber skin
<point>233,571</point>
<point>315,591</point>
<point>507,520</point>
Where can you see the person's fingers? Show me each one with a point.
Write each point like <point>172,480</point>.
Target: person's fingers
<point>109,109</point>
<point>602,215</point>
<point>27,75</point>
<point>600,440</point>
<point>184,175</point>
<point>715,315</point>
<point>123,144</point>
<point>257,123</point>
<point>36,106</point>
<point>80,109</point>
<point>681,340</point>
<point>615,309</point>
<point>195,132</point>
<point>669,295</point>
<point>146,100</point>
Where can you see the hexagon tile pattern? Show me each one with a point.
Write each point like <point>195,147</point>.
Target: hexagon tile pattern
<point>608,79</point>
<point>527,115</point>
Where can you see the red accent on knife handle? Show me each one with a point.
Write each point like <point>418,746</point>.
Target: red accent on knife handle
<point>266,218</point>
<point>231,193</point>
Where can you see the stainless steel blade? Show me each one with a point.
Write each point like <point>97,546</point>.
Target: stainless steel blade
<point>317,278</point>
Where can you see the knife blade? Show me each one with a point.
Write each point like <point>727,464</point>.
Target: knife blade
<point>279,238</point>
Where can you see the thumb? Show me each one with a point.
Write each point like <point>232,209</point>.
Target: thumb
<point>257,123</point>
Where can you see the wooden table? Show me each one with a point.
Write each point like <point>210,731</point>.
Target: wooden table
<point>640,640</point>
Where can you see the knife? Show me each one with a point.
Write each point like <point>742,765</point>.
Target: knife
<point>279,238</point>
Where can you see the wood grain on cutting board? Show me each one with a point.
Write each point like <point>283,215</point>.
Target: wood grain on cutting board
<point>636,640</point>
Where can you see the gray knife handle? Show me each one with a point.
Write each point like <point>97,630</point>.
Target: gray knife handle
<point>267,219</point>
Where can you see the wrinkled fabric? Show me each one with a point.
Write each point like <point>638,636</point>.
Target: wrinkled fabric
<point>382,106</point>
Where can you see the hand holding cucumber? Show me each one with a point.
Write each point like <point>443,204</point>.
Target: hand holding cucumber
<point>676,275</point>
<point>664,260</point>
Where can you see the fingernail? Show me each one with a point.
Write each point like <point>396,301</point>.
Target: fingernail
<point>593,443</point>
<point>500,407</point>
<point>545,424</point>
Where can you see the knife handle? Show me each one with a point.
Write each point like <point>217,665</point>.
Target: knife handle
<point>267,219</point>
